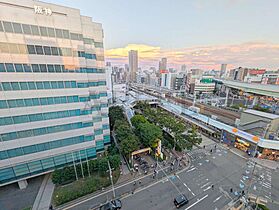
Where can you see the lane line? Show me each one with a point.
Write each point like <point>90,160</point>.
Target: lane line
<point>189,189</point>
<point>217,198</point>
<point>199,200</point>
<point>207,189</point>
<point>192,169</point>
<point>205,184</point>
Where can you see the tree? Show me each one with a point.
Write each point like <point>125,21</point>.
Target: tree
<point>114,161</point>
<point>137,120</point>
<point>149,134</point>
<point>115,113</point>
<point>192,137</point>
<point>123,131</point>
<point>129,144</point>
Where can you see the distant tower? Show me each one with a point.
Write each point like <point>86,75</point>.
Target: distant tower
<point>223,72</point>
<point>133,64</point>
<point>183,69</point>
<point>163,64</point>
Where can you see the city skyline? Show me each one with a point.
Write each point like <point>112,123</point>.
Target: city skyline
<point>201,34</point>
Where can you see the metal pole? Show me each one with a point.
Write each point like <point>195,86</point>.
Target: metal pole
<point>87,165</point>
<point>74,166</point>
<point>81,165</point>
<point>110,175</point>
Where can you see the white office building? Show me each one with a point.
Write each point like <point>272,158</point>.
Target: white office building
<point>53,93</point>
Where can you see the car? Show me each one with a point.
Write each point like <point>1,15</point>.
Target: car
<point>180,200</point>
<point>112,205</point>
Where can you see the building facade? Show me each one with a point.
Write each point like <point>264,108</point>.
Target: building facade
<point>133,65</point>
<point>53,93</point>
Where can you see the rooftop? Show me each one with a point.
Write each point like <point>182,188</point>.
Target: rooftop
<point>262,114</point>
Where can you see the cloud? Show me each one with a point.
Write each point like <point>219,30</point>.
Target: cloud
<point>250,54</point>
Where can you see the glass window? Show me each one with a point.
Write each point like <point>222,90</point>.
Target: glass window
<point>39,50</point>
<point>28,102</point>
<point>54,85</point>
<point>17,28</point>
<point>8,26</point>
<point>1,27</point>
<point>13,48</point>
<point>2,67</point>
<point>15,86</point>
<point>43,68</point>
<point>39,85</point>
<point>36,101</point>
<point>50,101</point>
<point>59,51</point>
<point>12,103</point>
<point>74,36</point>
<point>73,84</point>
<point>47,50</point>
<point>54,51</point>
<point>66,34</point>
<point>3,104</point>
<point>64,99</point>
<point>51,32</point>
<point>68,84</point>
<point>9,67</point>
<point>3,155</point>
<point>43,31</point>
<point>31,86</point>
<point>35,30</point>
<point>57,100</point>
<point>47,85</point>
<point>29,149</point>
<point>27,68</point>
<point>58,33</point>
<point>57,68</point>
<point>26,29</point>
<point>31,49</point>
<point>43,101</point>
<point>23,86</point>
<point>35,68</point>
<point>14,153</point>
<point>50,68</point>
<point>19,67</point>
<point>20,102</point>
<point>60,84</point>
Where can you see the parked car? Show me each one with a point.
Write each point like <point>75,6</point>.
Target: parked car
<point>180,200</point>
<point>112,205</point>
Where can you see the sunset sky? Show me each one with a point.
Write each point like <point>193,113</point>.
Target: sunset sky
<point>198,33</point>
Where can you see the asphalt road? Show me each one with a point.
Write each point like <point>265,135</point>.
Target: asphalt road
<point>220,168</point>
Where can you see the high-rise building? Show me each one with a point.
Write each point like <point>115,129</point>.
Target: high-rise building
<point>53,93</point>
<point>133,64</point>
<point>163,65</point>
<point>183,69</point>
<point>223,71</point>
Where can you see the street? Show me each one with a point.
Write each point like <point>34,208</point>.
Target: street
<point>213,180</point>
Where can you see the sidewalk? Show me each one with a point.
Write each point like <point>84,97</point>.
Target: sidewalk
<point>44,196</point>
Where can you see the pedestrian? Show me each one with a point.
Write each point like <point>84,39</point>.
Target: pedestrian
<point>50,207</point>
<point>135,182</point>
<point>139,182</point>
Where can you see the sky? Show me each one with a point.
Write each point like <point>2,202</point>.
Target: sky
<point>198,33</point>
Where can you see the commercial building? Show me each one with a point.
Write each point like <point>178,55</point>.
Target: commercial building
<point>223,71</point>
<point>53,93</point>
<point>265,125</point>
<point>247,75</point>
<point>133,65</point>
<point>271,78</point>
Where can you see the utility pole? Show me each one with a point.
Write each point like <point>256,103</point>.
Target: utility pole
<point>74,166</point>
<point>110,175</point>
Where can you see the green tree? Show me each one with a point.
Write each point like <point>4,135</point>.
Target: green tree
<point>115,113</point>
<point>123,131</point>
<point>129,144</point>
<point>192,137</point>
<point>137,120</point>
<point>149,134</point>
<point>114,161</point>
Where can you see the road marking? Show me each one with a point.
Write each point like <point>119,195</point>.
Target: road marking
<point>192,169</point>
<point>189,189</point>
<point>199,200</point>
<point>207,189</point>
<point>217,198</point>
<point>206,184</point>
